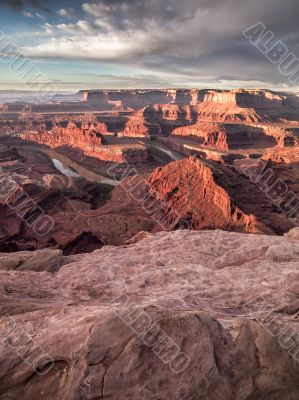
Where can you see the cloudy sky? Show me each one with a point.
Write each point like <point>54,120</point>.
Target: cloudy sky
<point>150,43</point>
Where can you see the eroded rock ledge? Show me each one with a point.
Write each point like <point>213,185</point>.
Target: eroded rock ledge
<point>229,301</point>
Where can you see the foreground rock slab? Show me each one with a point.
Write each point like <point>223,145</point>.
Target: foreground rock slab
<point>178,315</point>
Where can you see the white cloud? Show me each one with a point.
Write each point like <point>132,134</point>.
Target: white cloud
<point>27,14</point>
<point>40,16</point>
<point>69,12</point>
<point>62,12</point>
<point>48,30</point>
<point>190,38</point>
<point>95,48</point>
<point>80,27</point>
<point>96,10</point>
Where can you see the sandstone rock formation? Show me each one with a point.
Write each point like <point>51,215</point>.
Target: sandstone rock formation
<point>240,105</point>
<point>104,160</point>
<point>138,99</point>
<point>139,126</point>
<point>190,192</point>
<point>90,145</point>
<point>181,113</point>
<point>156,120</point>
<point>135,154</point>
<point>70,135</point>
<point>40,260</point>
<point>293,233</point>
<point>182,315</point>
<point>169,313</point>
<point>89,139</point>
<point>189,113</point>
<point>222,105</point>
<point>125,99</point>
<point>210,195</point>
<point>229,136</point>
<point>235,119</point>
<point>64,213</point>
<point>237,128</point>
<point>258,98</point>
<point>285,136</point>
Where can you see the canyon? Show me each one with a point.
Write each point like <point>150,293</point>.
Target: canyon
<point>144,236</point>
<point>164,159</point>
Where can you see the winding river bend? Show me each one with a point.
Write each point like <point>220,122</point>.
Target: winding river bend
<point>64,170</point>
<point>68,167</point>
<point>71,168</point>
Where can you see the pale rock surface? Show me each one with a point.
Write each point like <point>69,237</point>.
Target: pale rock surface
<point>41,260</point>
<point>215,294</point>
<point>293,233</point>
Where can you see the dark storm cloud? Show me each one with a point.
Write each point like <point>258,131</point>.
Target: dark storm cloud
<point>20,5</point>
<point>202,38</point>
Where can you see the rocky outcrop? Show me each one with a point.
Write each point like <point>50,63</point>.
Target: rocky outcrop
<point>83,217</point>
<point>172,112</point>
<point>134,154</point>
<point>14,125</point>
<point>210,105</point>
<point>208,134</point>
<point>88,139</point>
<point>258,98</point>
<point>69,214</point>
<point>210,111</point>
<point>182,315</point>
<point>247,106</point>
<point>127,99</point>
<point>154,113</point>
<point>70,135</point>
<point>203,106</point>
<point>41,260</point>
<point>34,198</point>
<point>158,120</point>
<point>285,136</point>
<point>138,126</point>
<point>205,195</point>
<point>233,136</point>
<point>180,96</point>
<point>137,99</point>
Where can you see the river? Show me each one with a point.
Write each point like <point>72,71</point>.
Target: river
<point>89,175</point>
<point>64,170</point>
